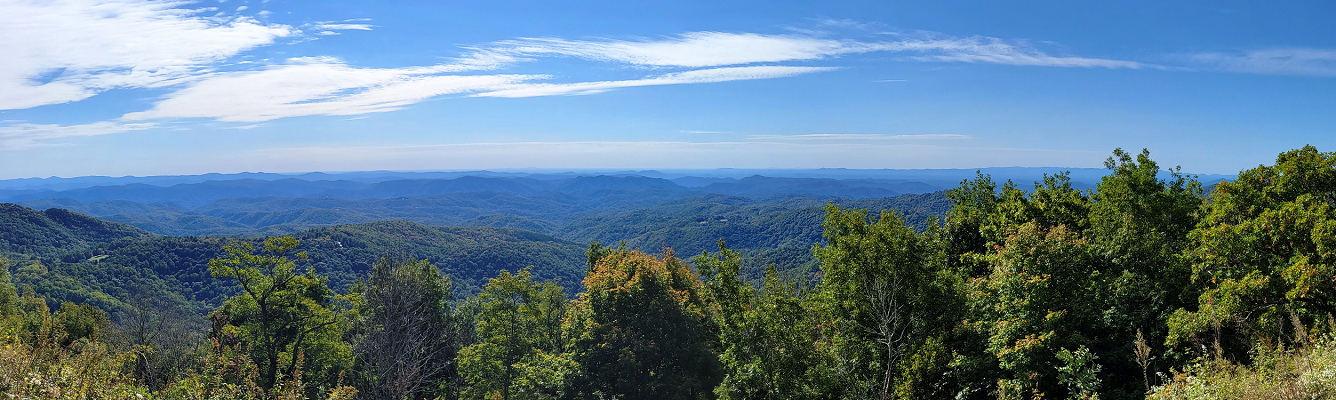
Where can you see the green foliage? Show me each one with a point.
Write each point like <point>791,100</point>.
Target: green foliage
<point>30,232</point>
<point>1265,249</point>
<point>1057,268</point>
<point>882,297</point>
<point>95,370</point>
<point>470,255</point>
<point>280,314</point>
<point>779,231</point>
<point>1039,298</point>
<point>1052,292</point>
<point>401,336</point>
<point>11,321</point>
<point>81,322</point>
<point>1079,373</point>
<point>1307,371</point>
<point>644,330</point>
<point>519,353</point>
<point>768,337</point>
<point>176,269</point>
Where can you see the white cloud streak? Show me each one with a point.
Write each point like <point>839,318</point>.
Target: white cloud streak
<point>343,27</point>
<point>67,50</point>
<point>320,86</point>
<point>698,49</point>
<point>857,136</point>
<point>713,49</point>
<point>697,76</point>
<point>989,50</point>
<point>26,136</point>
<point>1282,61</point>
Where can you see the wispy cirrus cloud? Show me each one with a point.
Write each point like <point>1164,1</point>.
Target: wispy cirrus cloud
<point>713,49</point>
<point>696,49</point>
<point>858,136</point>
<point>326,86</point>
<point>318,86</point>
<point>68,50</point>
<point>332,28</point>
<point>1277,61</point>
<point>696,76</point>
<point>343,27</point>
<point>991,50</point>
<point>25,136</point>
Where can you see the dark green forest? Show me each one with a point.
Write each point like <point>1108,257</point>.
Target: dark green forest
<point>1149,285</point>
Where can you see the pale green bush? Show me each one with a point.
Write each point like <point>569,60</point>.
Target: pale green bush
<point>1279,373</point>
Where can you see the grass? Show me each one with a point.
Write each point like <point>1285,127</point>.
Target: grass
<point>1276,372</point>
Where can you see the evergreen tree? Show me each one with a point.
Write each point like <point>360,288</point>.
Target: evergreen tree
<point>401,339</point>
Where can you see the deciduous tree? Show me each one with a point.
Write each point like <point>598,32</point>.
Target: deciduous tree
<point>282,315</point>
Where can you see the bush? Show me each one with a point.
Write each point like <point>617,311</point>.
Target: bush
<point>1276,373</point>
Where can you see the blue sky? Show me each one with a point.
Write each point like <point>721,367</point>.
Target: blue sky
<point>132,87</point>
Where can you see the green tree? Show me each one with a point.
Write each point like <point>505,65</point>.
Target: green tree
<point>282,315</point>
<point>81,321</point>
<point>1040,298</point>
<point>520,340</point>
<point>1265,252</point>
<point>643,330</point>
<point>402,342</point>
<point>882,296</point>
<point>768,337</point>
<point>11,318</point>
<point>1091,268</point>
<point>1139,224</point>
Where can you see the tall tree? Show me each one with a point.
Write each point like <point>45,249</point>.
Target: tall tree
<point>81,321</point>
<point>520,340</point>
<point>284,316</point>
<point>1139,222</point>
<point>11,319</point>
<point>1040,297</point>
<point>1265,252</point>
<point>768,337</point>
<point>401,339</point>
<point>644,329</point>
<point>880,292</point>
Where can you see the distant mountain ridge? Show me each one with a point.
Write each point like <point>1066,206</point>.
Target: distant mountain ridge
<point>690,177</point>
<point>193,195</point>
<point>260,204</point>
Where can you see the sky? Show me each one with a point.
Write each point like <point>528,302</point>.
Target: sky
<point>134,87</point>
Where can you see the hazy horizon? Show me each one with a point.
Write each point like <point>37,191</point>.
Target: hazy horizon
<point>779,172</point>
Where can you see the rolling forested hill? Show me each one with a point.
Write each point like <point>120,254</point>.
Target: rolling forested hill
<point>38,233</point>
<point>87,260</point>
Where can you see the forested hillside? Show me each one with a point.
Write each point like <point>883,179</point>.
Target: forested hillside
<point>42,233</point>
<point>106,264</point>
